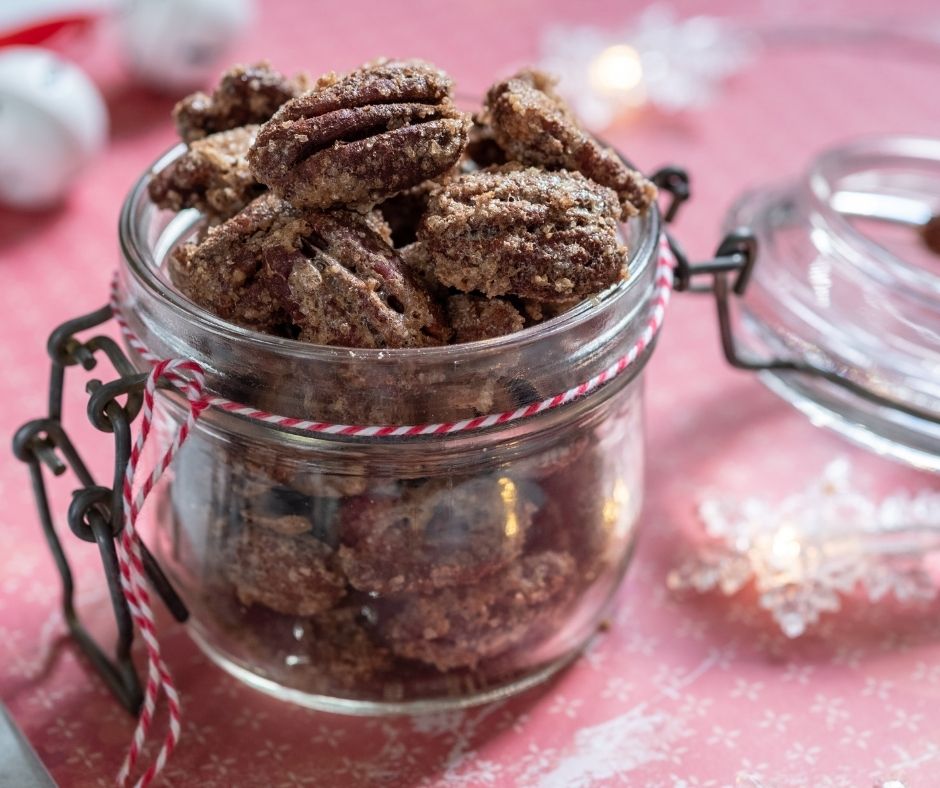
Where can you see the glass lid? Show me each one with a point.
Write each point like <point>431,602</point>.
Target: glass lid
<point>846,284</point>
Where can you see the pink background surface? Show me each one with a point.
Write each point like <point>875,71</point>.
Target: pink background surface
<point>679,691</point>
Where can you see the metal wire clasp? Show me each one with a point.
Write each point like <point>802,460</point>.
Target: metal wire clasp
<point>96,512</point>
<point>736,256</point>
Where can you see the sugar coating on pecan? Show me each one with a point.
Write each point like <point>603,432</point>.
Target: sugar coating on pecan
<point>291,574</point>
<point>329,278</point>
<point>225,271</point>
<point>341,649</point>
<point>213,176</point>
<point>540,311</point>
<point>348,287</point>
<point>474,317</point>
<point>458,627</point>
<point>549,236</point>
<point>289,512</point>
<point>379,130</point>
<point>534,126</point>
<point>275,470</point>
<point>433,536</point>
<point>246,94</point>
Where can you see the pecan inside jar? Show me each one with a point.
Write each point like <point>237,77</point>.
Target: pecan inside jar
<point>290,573</point>
<point>433,536</point>
<point>212,176</point>
<point>379,130</point>
<point>459,627</point>
<point>225,274</point>
<point>549,236</point>
<point>474,318</point>
<point>324,277</point>
<point>245,95</point>
<point>347,286</point>
<point>535,126</point>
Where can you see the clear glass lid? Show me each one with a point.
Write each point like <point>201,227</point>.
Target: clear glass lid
<point>846,281</point>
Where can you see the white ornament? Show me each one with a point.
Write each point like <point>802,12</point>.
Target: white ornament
<point>176,45</point>
<point>53,121</point>
<point>806,552</point>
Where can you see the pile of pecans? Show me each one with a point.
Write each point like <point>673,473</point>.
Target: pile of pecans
<point>368,210</point>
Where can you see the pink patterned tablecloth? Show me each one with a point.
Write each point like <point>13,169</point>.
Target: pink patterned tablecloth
<point>679,691</point>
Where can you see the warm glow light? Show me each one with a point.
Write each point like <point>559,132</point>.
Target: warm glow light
<point>786,547</point>
<point>507,491</point>
<point>617,70</point>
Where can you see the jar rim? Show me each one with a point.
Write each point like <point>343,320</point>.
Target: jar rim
<point>140,261</point>
<point>856,157</point>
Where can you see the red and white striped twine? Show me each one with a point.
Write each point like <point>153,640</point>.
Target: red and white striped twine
<point>658,305</point>
<point>188,378</point>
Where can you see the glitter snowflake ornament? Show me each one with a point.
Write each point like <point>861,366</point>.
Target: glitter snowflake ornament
<point>673,64</point>
<point>807,552</point>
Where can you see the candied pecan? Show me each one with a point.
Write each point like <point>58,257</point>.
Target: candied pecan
<point>432,536</point>
<point>348,287</point>
<point>458,627</point>
<point>341,648</point>
<point>474,317</point>
<point>375,132</point>
<point>263,469</point>
<point>555,458</point>
<point>213,176</point>
<point>540,311</point>
<point>245,94</point>
<point>224,272</point>
<point>292,574</point>
<point>549,236</point>
<point>534,126</point>
<point>291,512</point>
<point>416,258</point>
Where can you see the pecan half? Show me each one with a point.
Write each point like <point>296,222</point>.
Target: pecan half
<point>225,274</point>
<point>329,277</point>
<point>549,236</point>
<point>458,627</point>
<point>377,131</point>
<point>433,536</point>
<point>535,126</point>
<point>474,317</point>
<point>245,94</point>
<point>292,574</point>
<point>347,287</point>
<point>213,176</point>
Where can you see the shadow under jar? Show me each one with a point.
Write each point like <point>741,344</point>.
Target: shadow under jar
<point>378,575</point>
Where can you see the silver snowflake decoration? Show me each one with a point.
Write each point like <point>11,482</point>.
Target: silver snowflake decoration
<point>805,553</point>
<point>661,60</point>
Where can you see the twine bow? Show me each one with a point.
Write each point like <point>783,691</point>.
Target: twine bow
<point>187,377</point>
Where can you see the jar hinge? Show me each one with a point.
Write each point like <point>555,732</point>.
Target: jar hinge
<point>737,255</point>
<point>674,181</point>
<point>95,513</point>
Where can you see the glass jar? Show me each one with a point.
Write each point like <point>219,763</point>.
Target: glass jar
<point>373,575</point>
<point>845,280</point>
